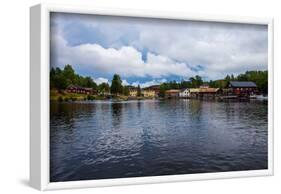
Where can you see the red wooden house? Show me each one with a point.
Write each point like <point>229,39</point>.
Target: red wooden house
<point>242,88</point>
<point>79,90</point>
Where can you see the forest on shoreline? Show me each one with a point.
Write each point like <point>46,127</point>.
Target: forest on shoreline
<point>60,79</point>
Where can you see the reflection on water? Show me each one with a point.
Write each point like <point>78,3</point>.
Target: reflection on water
<point>105,139</point>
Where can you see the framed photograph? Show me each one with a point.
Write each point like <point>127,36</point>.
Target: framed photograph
<point>132,97</point>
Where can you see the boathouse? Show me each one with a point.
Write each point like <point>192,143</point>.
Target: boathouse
<point>174,93</point>
<point>242,88</point>
<point>204,92</point>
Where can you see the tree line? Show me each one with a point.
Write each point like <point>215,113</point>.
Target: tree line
<point>259,77</point>
<point>60,79</point>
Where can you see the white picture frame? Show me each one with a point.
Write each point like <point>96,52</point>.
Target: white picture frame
<point>39,101</point>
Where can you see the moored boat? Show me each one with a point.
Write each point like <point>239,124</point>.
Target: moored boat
<point>253,96</point>
<point>262,97</point>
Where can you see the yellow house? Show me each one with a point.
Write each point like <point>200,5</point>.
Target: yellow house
<point>133,92</point>
<point>194,90</point>
<point>148,93</point>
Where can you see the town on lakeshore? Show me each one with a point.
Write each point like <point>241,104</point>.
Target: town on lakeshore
<point>66,85</point>
<point>143,97</point>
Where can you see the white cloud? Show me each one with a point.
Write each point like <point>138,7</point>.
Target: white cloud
<point>174,47</point>
<point>149,83</point>
<point>126,61</point>
<point>218,48</point>
<point>125,83</point>
<point>101,80</point>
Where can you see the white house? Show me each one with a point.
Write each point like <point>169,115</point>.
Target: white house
<point>184,93</point>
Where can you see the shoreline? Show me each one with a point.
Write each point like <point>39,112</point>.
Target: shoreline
<point>159,99</point>
<point>72,97</point>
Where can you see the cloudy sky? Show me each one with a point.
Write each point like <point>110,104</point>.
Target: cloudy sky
<point>151,51</point>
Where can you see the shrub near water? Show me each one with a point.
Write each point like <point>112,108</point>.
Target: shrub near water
<point>60,99</point>
<point>66,99</point>
<point>73,98</point>
<point>90,97</point>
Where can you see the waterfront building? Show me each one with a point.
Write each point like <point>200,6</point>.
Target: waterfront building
<point>155,88</point>
<point>242,88</point>
<point>204,92</point>
<point>174,93</point>
<point>148,93</point>
<point>184,93</point>
<point>151,91</point>
<point>133,92</point>
<point>79,90</point>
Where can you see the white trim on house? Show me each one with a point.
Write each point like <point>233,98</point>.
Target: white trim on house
<point>184,93</point>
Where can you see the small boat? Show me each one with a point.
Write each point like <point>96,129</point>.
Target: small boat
<point>253,96</point>
<point>262,97</point>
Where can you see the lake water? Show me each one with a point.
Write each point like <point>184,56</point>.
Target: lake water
<point>105,139</point>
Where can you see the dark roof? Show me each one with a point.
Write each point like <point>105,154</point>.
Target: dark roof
<point>131,87</point>
<point>153,87</point>
<point>78,87</point>
<point>183,89</point>
<point>172,91</point>
<point>74,87</point>
<point>89,89</point>
<point>243,84</point>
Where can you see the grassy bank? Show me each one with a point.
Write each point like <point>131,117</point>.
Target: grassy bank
<point>65,97</point>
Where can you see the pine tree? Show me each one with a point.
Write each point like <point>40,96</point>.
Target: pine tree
<point>116,85</point>
<point>139,91</point>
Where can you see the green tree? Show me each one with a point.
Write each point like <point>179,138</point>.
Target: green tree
<point>89,83</point>
<point>196,81</point>
<point>126,91</point>
<point>52,78</point>
<point>212,84</point>
<point>104,88</point>
<point>217,83</point>
<point>185,84</point>
<point>162,90</point>
<point>242,77</point>
<point>57,79</point>
<point>116,85</point>
<point>139,91</point>
<point>69,74</point>
<point>227,78</point>
<point>259,77</point>
<point>61,79</point>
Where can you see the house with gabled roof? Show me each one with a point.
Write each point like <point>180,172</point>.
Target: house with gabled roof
<point>172,93</point>
<point>79,90</point>
<point>242,88</point>
<point>204,92</point>
<point>184,93</point>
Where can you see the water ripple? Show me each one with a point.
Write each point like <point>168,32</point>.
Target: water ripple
<point>106,139</point>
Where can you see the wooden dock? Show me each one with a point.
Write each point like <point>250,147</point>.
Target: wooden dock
<point>228,97</point>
